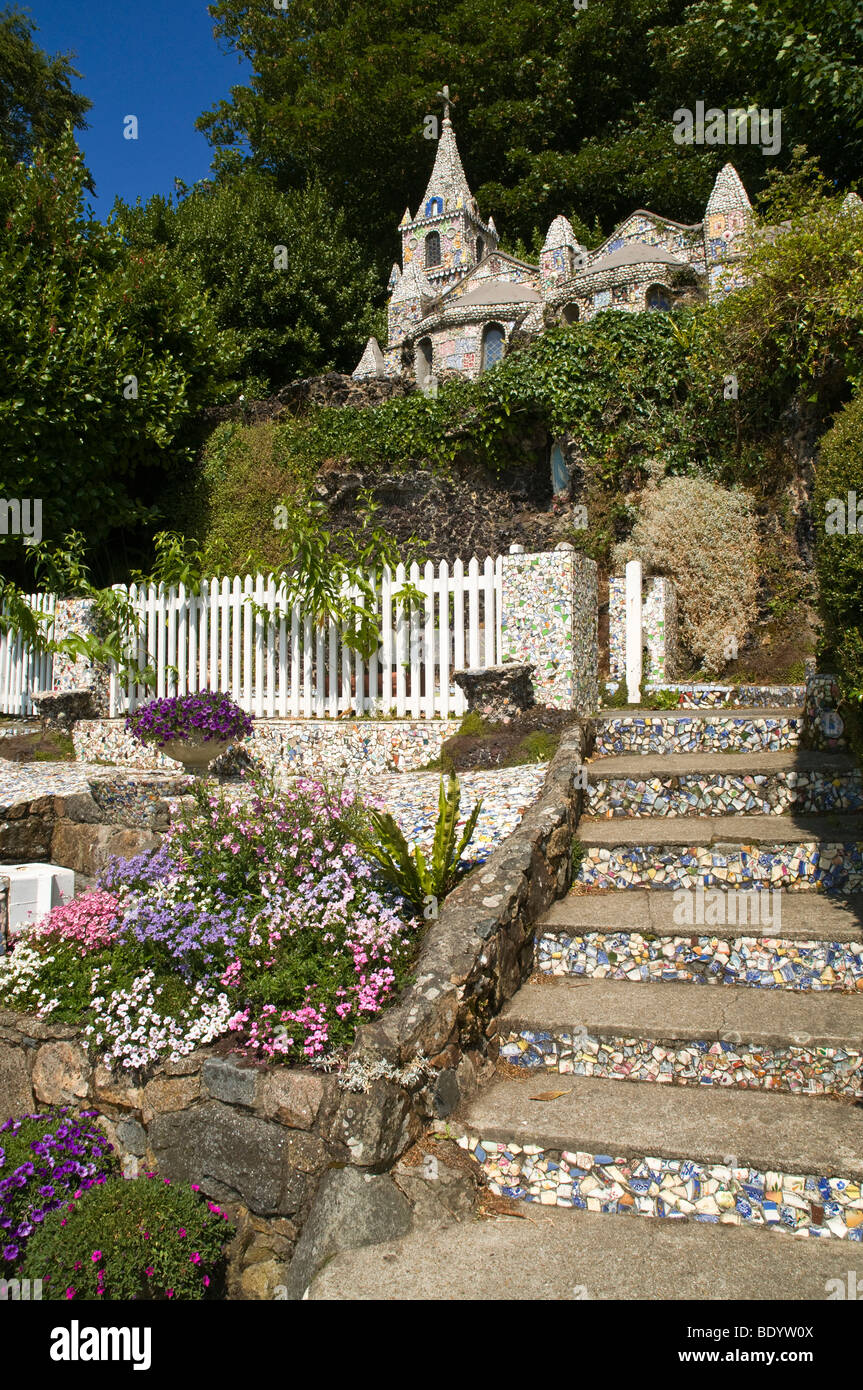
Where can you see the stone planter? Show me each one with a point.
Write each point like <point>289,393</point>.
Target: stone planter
<point>196,757</point>
<point>498,693</point>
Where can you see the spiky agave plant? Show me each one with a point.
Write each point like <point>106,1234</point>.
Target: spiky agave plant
<point>407,869</point>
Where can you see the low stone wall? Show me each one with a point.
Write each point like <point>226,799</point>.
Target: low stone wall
<point>273,1144</point>
<point>118,816</point>
<point>308,747</point>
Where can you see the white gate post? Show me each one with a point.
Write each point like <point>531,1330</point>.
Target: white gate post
<point>633,631</point>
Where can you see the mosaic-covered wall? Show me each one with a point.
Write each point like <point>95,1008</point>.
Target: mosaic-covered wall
<point>78,616</point>
<point>551,619</point>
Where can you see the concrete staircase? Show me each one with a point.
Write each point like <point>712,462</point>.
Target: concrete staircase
<point>691,1045</point>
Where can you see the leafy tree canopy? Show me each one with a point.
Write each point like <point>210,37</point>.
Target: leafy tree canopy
<point>36,97</point>
<point>278,270</point>
<point>558,109</point>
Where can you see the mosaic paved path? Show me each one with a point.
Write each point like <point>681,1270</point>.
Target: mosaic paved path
<point>691,1046</point>
<point>411,797</point>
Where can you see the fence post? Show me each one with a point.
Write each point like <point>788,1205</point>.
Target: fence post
<point>79,615</point>
<point>549,617</point>
<point>633,631</point>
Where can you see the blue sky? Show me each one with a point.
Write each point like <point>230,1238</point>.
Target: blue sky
<point>157,60</point>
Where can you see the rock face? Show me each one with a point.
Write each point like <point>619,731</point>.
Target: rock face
<point>352,1209</point>
<point>497,693</point>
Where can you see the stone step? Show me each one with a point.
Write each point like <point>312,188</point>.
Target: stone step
<point>682,1035</point>
<point>772,940</point>
<point>697,784</point>
<point>696,731</point>
<point>798,851</point>
<point>584,1256</point>
<point>718,1156</point>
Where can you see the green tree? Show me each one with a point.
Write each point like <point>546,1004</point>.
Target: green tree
<point>36,97</point>
<point>106,358</point>
<point>558,110</point>
<point>278,270</point>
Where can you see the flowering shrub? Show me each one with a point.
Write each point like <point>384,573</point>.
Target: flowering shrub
<point>189,718</point>
<point>93,920</point>
<point>140,1238</point>
<point>46,1160</point>
<point>258,920</point>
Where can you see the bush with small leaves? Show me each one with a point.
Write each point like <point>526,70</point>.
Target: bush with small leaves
<point>132,1239</point>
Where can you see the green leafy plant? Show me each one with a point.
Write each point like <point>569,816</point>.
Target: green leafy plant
<point>408,869</point>
<point>131,1240</point>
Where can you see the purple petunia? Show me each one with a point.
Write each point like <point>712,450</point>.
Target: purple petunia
<point>206,716</point>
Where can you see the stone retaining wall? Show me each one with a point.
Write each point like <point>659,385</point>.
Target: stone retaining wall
<point>308,747</point>
<point>260,1139</point>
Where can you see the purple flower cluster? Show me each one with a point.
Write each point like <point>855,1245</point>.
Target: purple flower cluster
<point>62,1156</point>
<point>194,931</point>
<point>153,866</point>
<point>209,715</point>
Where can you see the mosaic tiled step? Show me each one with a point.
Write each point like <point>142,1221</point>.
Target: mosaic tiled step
<point>716,1156</point>
<point>790,941</point>
<point>703,784</point>
<point>799,852</point>
<point>703,696</point>
<point>683,731</point>
<point>681,1035</point>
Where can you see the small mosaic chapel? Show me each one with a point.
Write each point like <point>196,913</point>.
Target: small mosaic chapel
<point>456,298</point>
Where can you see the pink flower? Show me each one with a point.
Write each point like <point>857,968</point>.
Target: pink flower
<point>181,1232</point>
<point>70,1292</point>
<point>96,1256</point>
<point>195,1259</point>
<point>169,1293</point>
<point>149,1271</point>
<point>206,1281</point>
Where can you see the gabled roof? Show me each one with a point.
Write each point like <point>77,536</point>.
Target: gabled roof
<point>635,253</point>
<point>412,285</point>
<point>560,233</point>
<point>727,193</point>
<point>372,361</point>
<point>499,292</point>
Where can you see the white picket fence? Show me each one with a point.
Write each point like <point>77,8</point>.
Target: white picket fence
<point>21,669</point>
<point>243,637</point>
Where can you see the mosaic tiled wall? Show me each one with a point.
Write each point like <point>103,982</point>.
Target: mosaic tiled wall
<point>697,733</point>
<point>550,619</point>
<point>823,725</point>
<point>77,616</point>
<point>726,794</point>
<point>659,627</point>
<point>800,1069</point>
<point>305,746</point>
<point>810,864</point>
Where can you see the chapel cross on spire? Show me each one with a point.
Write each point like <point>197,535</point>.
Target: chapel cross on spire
<point>445,98</point>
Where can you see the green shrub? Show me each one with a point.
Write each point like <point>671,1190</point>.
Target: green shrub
<point>45,1159</point>
<point>839,551</point>
<point>143,1239</point>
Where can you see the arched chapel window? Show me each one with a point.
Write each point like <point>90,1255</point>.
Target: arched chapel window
<point>657,297</point>
<point>480,248</point>
<point>493,340</point>
<point>423,361</point>
<point>432,249</point>
<point>571,313</point>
